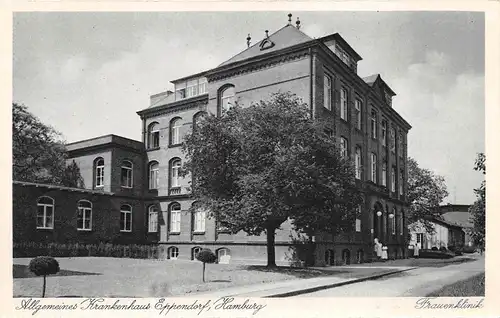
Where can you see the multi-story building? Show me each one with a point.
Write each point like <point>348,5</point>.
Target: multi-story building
<point>323,73</point>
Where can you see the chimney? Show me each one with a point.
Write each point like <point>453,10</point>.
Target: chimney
<point>248,40</point>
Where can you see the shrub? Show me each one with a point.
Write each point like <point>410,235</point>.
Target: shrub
<point>435,254</point>
<point>434,248</point>
<point>443,249</point>
<point>43,266</point>
<point>206,256</point>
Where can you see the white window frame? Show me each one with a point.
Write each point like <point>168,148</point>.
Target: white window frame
<point>192,88</point>
<point>174,173</point>
<point>175,218</point>
<point>373,120</point>
<point>195,250</point>
<point>357,162</point>
<point>84,214</point>
<point>327,85</point>
<point>358,106</point>
<point>153,219</point>
<point>154,175</point>
<point>175,131</point>
<point>344,144</point>
<point>343,104</point>
<point>384,173</point>
<point>199,220</point>
<point>99,173</point>
<point>227,100</point>
<point>46,216</point>
<point>202,85</point>
<point>127,174</point>
<point>173,252</point>
<point>126,218</point>
<point>153,136</point>
<point>373,159</point>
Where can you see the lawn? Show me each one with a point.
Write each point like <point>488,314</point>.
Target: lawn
<point>470,287</point>
<point>122,277</point>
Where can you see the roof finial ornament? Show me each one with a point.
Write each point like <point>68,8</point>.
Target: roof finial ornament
<point>289,19</point>
<point>248,40</point>
<point>298,23</point>
<point>267,33</point>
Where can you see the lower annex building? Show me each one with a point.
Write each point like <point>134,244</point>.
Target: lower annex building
<point>134,194</point>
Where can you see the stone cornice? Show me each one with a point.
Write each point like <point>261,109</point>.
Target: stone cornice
<point>177,106</point>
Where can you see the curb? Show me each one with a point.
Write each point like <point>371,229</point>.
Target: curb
<point>317,288</point>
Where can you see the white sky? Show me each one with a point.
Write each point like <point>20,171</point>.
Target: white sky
<point>87,74</point>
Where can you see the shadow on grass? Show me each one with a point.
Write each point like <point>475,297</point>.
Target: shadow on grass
<point>22,271</point>
<point>296,272</point>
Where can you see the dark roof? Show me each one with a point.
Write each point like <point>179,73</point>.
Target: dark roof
<point>105,140</point>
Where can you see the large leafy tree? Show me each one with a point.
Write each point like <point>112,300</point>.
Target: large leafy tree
<point>426,191</point>
<point>38,152</point>
<point>257,167</point>
<point>478,209</point>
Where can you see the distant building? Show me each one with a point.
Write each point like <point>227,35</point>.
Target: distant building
<point>451,225</point>
<point>152,202</point>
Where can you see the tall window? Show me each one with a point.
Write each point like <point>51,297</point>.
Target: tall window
<point>154,175</point>
<point>384,133</point>
<point>401,173</point>
<point>343,147</point>
<point>343,104</point>
<point>393,139</point>
<point>99,173</point>
<point>374,167</point>
<point>401,223</point>
<point>84,218</point>
<point>393,179</point>
<point>202,85</point>
<point>393,222</point>
<point>384,173</point>
<point>175,218</point>
<point>153,136</point>
<point>328,92</point>
<point>45,213</point>
<point>126,174</point>
<point>192,88</point>
<point>373,120</point>
<point>153,219</point>
<point>175,131</point>
<point>400,145</point>
<point>199,220</point>
<point>358,106</point>
<point>227,99</point>
<point>125,218</point>
<point>358,221</point>
<point>175,167</point>
<point>357,162</point>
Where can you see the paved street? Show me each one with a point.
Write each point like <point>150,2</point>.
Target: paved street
<point>414,283</point>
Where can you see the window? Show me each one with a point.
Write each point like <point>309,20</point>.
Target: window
<point>223,256</point>
<point>358,106</point>
<point>173,252</point>
<point>401,223</point>
<point>192,88</point>
<point>174,173</point>
<point>227,99</point>
<point>327,92</point>
<point>153,136</point>
<point>358,221</point>
<point>45,213</point>
<point>126,218</point>
<point>198,118</point>
<point>343,147</point>
<point>199,220</point>
<point>393,222</point>
<point>202,86</point>
<point>393,179</point>
<point>358,225</point>
<point>374,167</point>
<point>127,169</point>
<point>384,173</point>
<point>343,104</point>
<point>420,238</point>
<point>357,162</point>
<point>99,173</point>
<point>153,219</point>
<point>175,131</point>
<point>194,252</point>
<point>84,218</point>
<point>154,175</point>
<point>175,218</point>
<point>400,145</point>
<point>384,133</point>
<point>401,173</point>
<point>373,120</point>
<point>393,139</point>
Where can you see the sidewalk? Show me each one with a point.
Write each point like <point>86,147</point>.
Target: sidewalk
<point>297,286</point>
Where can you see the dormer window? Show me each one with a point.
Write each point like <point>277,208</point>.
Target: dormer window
<point>190,88</point>
<point>388,98</point>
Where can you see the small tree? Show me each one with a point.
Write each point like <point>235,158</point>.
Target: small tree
<point>478,209</point>
<point>43,266</point>
<point>206,256</point>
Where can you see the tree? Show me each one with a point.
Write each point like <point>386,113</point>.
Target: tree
<point>255,168</point>
<point>478,209</point>
<point>426,191</point>
<point>43,266</point>
<point>206,256</point>
<point>39,153</point>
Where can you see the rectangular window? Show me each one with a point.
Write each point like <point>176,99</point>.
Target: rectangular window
<point>393,179</point>
<point>357,162</point>
<point>99,177</point>
<point>374,167</point>
<point>393,224</point>
<point>384,174</point>
<point>358,106</point>
<point>327,92</point>
<point>192,88</point>
<point>126,221</point>
<point>153,221</point>
<point>343,104</point>
<point>126,177</point>
<point>343,147</point>
<point>358,225</point>
<point>154,175</point>
<point>401,178</point>
<point>175,221</point>
<point>393,139</point>
<point>202,86</point>
<point>384,133</point>
<point>175,182</point>
<point>401,224</point>
<point>44,218</point>
<point>373,120</point>
<point>199,221</point>
<point>83,218</point>
<point>400,145</point>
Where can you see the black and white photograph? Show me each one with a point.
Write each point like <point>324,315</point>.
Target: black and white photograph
<point>248,154</point>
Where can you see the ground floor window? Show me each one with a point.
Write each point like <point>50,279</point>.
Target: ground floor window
<point>195,252</point>
<point>360,256</point>
<point>126,218</point>
<point>330,257</point>
<point>173,252</point>
<point>223,255</point>
<point>346,256</point>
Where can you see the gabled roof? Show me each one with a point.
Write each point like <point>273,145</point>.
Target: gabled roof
<point>285,37</point>
<point>372,79</point>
